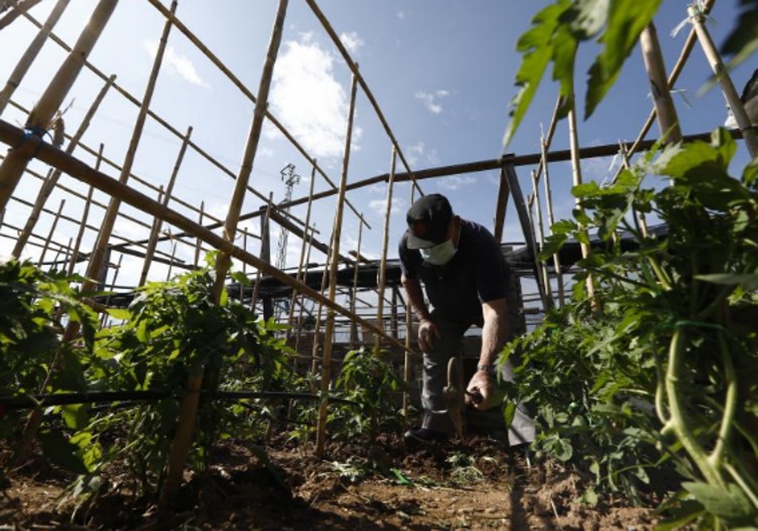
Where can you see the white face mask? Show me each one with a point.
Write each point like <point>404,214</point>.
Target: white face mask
<point>439,254</point>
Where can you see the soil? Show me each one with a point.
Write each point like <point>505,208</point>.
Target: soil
<point>476,484</point>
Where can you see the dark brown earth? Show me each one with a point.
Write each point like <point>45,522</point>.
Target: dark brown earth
<point>479,484</point>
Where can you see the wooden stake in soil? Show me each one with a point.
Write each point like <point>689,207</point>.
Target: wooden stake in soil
<point>668,121</point>
<point>551,219</point>
<point>722,75</point>
<point>408,332</point>
<point>299,276</point>
<point>299,297</point>
<point>31,54</point>
<point>354,291</point>
<point>326,365</point>
<point>52,181</point>
<point>188,413</point>
<point>576,171</point>
<point>42,115</point>
<point>166,199</point>
<point>197,246</point>
<point>385,245</point>
<point>541,233</point>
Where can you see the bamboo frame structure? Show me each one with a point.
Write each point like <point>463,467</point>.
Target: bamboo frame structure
<point>52,180</point>
<point>196,234</point>
<point>188,413</point>
<point>725,81</point>
<point>41,117</point>
<point>52,231</point>
<point>31,53</point>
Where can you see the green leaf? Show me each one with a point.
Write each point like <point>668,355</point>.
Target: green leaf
<point>536,44</point>
<point>509,412</point>
<point>749,282</point>
<point>743,41</point>
<point>626,20</point>
<point>119,313</point>
<point>61,452</point>
<point>730,505</point>
<point>75,416</point>
<point>552,245</point>
<point>750,173</point>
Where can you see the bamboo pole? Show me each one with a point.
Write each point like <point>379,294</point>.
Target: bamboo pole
<point>186,424</point>
<point>668,121</point>
<point>104,317</point>
<point>197,246</point>
<point>49,184</point>
<point>385,246</point>
<point>722,75</point>
<point>171,263</point>
<point>241,86</point>
<point>301,303</point>
<point>576,172</point>
<point>299,276</point>
<point>541,235</point>
<point>551,219</point>
<point>21,7</point>
<point>330,257</point>
<point>354,292</point>
<point>326,364</point>
<point>11,135</point>
<point>366,90</point>
<point>156,229</point>
<point>42,115</point>
<point>52,231</point>
<point>407,342</point>
<point>22,67</point>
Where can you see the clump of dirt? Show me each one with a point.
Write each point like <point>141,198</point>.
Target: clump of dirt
<point>480,483</point>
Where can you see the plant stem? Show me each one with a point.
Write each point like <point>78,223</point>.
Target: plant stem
<point>730,409</point>
<point>678,419</point>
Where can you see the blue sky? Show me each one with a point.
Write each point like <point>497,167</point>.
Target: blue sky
<point>441,70</point>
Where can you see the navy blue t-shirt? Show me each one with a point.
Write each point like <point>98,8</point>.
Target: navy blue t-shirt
<point>476,274</point>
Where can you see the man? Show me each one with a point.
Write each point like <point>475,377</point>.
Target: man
<point>465,276</point>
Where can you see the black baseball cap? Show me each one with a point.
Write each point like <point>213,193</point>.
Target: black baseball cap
<point>428,220</point>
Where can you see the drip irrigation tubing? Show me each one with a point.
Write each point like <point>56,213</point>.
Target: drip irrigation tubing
<point>13,403</point>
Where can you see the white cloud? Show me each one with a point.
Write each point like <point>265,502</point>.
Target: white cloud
<point>176,63</point>
<point>415,152</point>
<point>456,182</point>
<point>310,101</point>
<point>266,152</point>
<point>401,15</point>
<point>352,41</point>
<point>431,100</point>
<point>380,205</point>
<point>306,37</point>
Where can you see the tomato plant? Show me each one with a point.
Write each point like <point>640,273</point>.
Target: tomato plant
<point>670,357</point>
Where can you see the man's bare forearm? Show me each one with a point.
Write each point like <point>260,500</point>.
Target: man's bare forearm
<point>416,297</point>
<point>494,331</point>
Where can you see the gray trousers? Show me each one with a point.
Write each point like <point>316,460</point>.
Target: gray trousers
<point>433,401</point>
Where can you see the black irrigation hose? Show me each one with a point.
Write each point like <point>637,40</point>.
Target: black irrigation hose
<point>10,403</point>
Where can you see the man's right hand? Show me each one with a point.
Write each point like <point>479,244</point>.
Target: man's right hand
<point>427,333</point>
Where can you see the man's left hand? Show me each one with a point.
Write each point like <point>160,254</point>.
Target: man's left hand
<point>482,383</point>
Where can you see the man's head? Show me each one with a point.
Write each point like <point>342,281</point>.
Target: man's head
<point>433,229</point>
